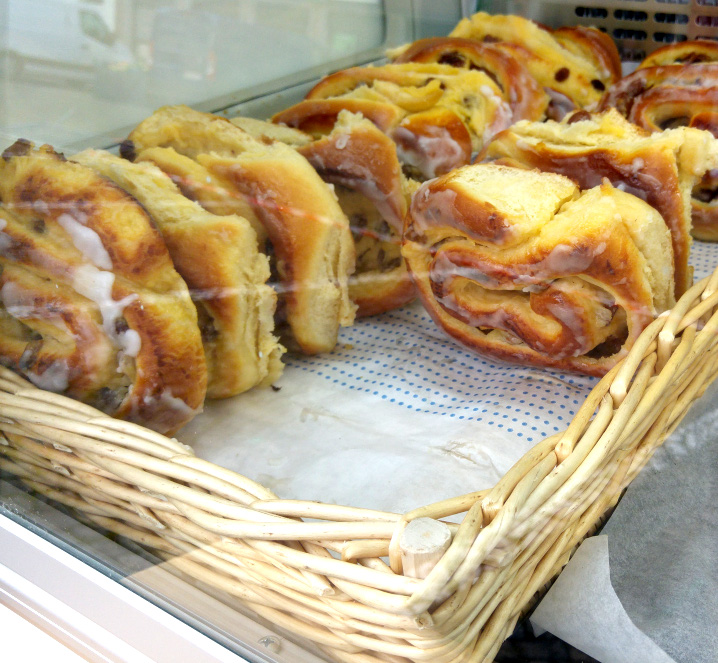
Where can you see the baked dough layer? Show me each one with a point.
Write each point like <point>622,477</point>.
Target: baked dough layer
<point>92,306</point>
<point>218,258</point>
<point>308,231</point>
<point>662,168</point>
<point>524,266</point>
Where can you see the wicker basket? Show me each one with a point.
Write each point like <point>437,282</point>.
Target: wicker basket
<point>318,570</point>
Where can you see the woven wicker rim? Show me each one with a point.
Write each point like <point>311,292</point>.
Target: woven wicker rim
<point>328,579</point>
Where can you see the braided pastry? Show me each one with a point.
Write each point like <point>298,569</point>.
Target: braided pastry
<point>574,65</point>
<point>436,114</point>
<point>217,257</point>
<point>662,169</point>
<point>520,90</point>
<point>674,95</point>
<point>308,231</point>
<point>90,303</point>
<point>523,266</point>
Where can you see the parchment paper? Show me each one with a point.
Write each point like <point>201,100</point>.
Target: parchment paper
<point>400,416</point>
<point>660,600</point>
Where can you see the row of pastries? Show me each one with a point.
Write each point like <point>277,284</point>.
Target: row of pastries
<point>538,204</point>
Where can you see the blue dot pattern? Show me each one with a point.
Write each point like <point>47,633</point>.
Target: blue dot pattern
<point>404,359</point>
<point>704,258</point>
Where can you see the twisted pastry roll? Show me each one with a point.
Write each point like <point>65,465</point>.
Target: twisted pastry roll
<point>362,164</point>
<point>519,88</point>
<point>523,266</point>
<point>665,97</point>
<point>661,169</point>
<point>674,95</point>
<point>90,303</point>
<point>436,114</point>
<point>693,51</point>
<point>574,65</point>
<point>217,257</point>
<point>308,231</point>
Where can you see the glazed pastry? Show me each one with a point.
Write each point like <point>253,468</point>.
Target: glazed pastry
<point>596,47</point>
<point>692,51</point>
<point>522,266</point>
<point>217,256</point>
<point>90,303</point>
<point>665,97</point>
<point>198,184</point>
<point>662,169</point>
<point>308,231</point>
<point>672,95</point>
<point>361,163</point>
<point>574,66</point>
<point>520,90</point>
<point>437,114</point>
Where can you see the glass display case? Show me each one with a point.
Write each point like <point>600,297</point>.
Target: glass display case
<point>397,417</point>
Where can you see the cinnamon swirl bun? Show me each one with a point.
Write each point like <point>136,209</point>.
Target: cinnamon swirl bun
<point>523,266</point>
<point>90,303</point>
<point>218,258</point>
<point>307,229</point>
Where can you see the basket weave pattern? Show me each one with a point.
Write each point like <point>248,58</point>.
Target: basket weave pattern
<point>326,578</point>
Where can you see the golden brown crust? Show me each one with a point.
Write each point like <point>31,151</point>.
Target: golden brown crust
<point>198,184</point>
<point>692,51</point>
<point>218,258</point>
<point>68,229</point>
<point>565,70</point>
<point>318,116</point>
<point>520,90</point>
<point>660,97</point>
<point>437,114</point>
<point>661,169</point>
<point>309,233</point>
<point>595,46</point>
<point>361,163</point>
<point>566,285</point>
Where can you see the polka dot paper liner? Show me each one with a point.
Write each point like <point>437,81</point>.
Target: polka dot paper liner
<point>404,359</point>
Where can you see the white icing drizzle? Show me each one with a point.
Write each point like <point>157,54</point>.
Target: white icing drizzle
<point>432,153</point>
<point>574,322</point>
<point>86,240</point>
<point>96,285</point>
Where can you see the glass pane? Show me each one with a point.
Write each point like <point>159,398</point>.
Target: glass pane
<point>78,72</point>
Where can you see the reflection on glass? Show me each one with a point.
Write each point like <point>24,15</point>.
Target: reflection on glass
<point>76,69</point>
